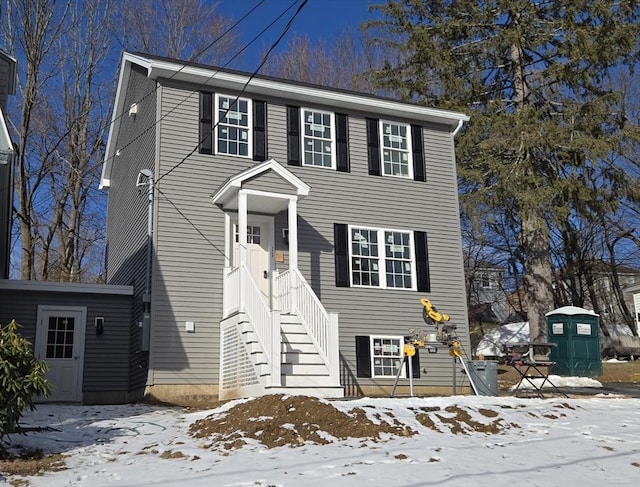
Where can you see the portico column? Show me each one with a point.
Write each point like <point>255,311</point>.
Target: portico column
<point>242,226</point>
<point>293,233</point>
<point>242,242</point>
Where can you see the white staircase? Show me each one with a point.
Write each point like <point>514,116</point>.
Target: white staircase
<point>291,349</point>
<point>302,369</point>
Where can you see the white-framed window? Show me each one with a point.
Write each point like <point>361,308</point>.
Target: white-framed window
<point>387,353</point>
<point>233,131</point>
<point>318,138</point>
<point>382,258</point>
<point>253,234</point>
<point>485,282</point>
<point>395,142</point>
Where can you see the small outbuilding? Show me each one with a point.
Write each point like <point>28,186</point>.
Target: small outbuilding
<point>85,334</point>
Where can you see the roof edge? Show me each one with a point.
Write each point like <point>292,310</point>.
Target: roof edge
<point>65,287</point>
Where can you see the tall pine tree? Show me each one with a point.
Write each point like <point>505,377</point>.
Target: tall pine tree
<point>537,78</point>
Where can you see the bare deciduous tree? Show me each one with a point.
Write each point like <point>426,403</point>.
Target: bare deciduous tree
<point>179,29</point>
<point>342,63</point>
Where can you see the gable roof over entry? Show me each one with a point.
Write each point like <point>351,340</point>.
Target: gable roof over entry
<point>226,197</point>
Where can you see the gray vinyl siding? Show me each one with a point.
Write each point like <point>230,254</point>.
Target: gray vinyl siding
<point>187,282</point>
<point>127,209</point>
<point>271,182</point>
<point>190,241</point>
<point>356,198</point>
<point>127,219</point>
<point>6,69</point>
<point>106,356</point>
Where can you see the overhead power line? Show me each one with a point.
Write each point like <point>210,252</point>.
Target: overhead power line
<point>246,84</point>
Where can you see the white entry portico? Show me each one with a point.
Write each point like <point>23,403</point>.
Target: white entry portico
<point>234,196</point>
<point>276,336</point>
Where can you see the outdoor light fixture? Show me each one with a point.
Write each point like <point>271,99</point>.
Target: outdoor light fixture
<point>99,325</point>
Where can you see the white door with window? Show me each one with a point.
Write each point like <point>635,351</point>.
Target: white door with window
<point>60,338</point>
<point>259,245</point>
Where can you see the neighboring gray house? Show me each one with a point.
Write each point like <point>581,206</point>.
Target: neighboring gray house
<point>294,229</point>
<point>486,292</point>
<point>7,152</point>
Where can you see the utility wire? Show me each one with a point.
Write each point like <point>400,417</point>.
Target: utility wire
<point>256,37</point>
<point>246,84</point>
<point>186,64</point>
<point>186,218</point>
<point>183,67</point>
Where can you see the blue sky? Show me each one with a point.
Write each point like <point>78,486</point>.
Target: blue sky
<point>319,19</point>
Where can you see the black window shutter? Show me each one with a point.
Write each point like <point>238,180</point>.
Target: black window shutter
<point>423,279</point>
<point>206,122</point>
<point>293,136</point>
<point>363,356</point>
<point>259,130</point>
<point>415,365</point>
<point>373,147</point>
<point>342,143</point>
<point>417,148</point>
<point>341,250</point>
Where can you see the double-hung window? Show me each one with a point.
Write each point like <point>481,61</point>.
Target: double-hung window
<point>386,355</point>
<point>318,138</point>
<point>396,149</point>
<point>233,132</point>
<point>382,258</point>
<point>383,356</point>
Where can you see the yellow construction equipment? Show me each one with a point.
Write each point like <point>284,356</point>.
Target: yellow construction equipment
<point>430,313</point>
<point>445,335</point>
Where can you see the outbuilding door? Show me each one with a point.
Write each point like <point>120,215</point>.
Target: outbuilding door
<point>60,335</point>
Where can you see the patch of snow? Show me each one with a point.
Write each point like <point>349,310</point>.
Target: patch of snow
<point>558,381</point>
<point>560,441</point>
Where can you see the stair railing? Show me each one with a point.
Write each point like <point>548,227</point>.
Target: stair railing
<point>295,295</point>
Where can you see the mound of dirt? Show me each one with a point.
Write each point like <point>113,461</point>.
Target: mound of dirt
<point>278,420</point>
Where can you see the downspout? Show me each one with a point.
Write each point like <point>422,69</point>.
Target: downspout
<point>146,297</point>
<point>457,129</point>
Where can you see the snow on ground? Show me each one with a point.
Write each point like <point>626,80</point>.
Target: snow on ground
<point>590,441</point>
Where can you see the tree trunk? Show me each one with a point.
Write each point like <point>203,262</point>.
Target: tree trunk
<point>537,277</point>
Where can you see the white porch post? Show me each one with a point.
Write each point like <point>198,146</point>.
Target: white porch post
<point>293,233</point>
<point>242,243</point>
<point>293,251</point>
<point>228,241</point>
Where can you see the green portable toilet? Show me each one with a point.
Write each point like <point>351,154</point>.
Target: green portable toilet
<point>576,332</point>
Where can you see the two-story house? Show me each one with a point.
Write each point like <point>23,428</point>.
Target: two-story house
<point>279,235</point>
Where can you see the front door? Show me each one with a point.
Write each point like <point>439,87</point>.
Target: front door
<point>60,343</point>
<point>259,244</point>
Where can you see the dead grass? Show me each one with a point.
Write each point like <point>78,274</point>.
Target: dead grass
<point>628,372</point>
<point>29,463</point>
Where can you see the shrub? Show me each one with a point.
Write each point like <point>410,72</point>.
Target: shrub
<point>21,377</point>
